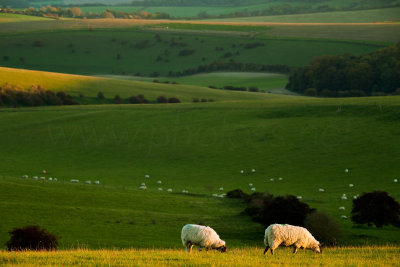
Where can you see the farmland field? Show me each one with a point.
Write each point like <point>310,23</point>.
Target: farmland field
<point>348,256</point>
<point>295,144</point>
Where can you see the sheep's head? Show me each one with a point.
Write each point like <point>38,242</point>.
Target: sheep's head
<point>222,249</point>
<point>317,248</point>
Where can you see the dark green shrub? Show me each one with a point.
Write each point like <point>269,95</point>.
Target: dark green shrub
<point>323,228</point>
<point>31,238</point>
<point>376,208</point>
<point>162,99</point>
<point>253,89</point>
<point>173,100</point>
<point>117,99</point>
<point>100,95</point>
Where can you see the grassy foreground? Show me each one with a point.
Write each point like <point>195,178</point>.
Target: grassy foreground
<point>347,256</point>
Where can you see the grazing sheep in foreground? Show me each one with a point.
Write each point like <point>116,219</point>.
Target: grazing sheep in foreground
<point>203,236</point>
<point>287,235</point>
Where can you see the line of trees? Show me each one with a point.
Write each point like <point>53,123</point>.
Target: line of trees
<point>233,66</point>
<point>36,95</point>
<point>376,73</point>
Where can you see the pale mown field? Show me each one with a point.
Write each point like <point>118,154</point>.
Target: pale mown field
<point>347,256</point>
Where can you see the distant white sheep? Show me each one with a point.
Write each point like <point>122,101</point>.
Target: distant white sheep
<point>42,178</point>
<point>142,187</point>
<point>88,182</point>
<point>346,170</point>
<point>51,179</point>
<point>287,235</point>
<point>342,208</point>
<point>299,197</point>
<point>321,190</point>
<point>395,180</point>
<point>74,181</point>
<point>143,184</point>
<point>159,182</point>
<point>25,176</point>
<point>280,178</point>
<point>55,179</point>
<point>344,197</point>
<point>351,185</point>
<point>35,177</point>
<point>221,189</point>
<point>241,171</point>
<point>96,182</point>
<point>159,189</point>
<point>253,170</point>
<point>44,172</point>
<point>250,184</point>
<point>253,189</point>
<point>343,217</point>
<point>215,195</point>
<point>147,176</point>
<point>202,236</point>
<point>169,190</point>
<point>272,179</point>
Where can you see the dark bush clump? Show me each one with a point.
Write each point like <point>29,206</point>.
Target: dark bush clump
<point>31,238</point>
<point>117,99</point>
<point>100,95</point>
<point>253,45</point>
<point>195,100</point>
<point>237,193</point>
<point>186,52</point>
<point>253,89</point>
<point>173,100</point>
<point>376,208</point>
<point>162,99</point>
<point>323,228</point>
<point>139,99</point>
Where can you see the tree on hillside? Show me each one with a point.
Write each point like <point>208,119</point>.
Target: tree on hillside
<point>76,12</point>
<point>376,208</point>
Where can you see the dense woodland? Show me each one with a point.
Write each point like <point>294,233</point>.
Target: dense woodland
<point>376,73</point>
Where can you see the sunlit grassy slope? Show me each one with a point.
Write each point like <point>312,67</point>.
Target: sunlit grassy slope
<point>8,17</point>
<point>348,256</point>
<point>198,147</point>
<point>90,86</point>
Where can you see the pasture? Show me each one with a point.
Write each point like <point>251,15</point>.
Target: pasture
<point>347,256</point>
<point>143,52</point>
<point>199,147</point>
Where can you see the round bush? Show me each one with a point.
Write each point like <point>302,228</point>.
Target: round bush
<point>31,238</point>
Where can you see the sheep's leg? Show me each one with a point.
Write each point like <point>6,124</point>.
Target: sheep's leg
<point>295,250</point>
<point>200,248</point>
<point>266,250</point>
<point>189,246</point>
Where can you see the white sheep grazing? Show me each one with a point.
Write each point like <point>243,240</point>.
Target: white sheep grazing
<point>202,236</point>
<point>287,235</point>
<point>321,190</point>
<point>169,190</point>
<point>96,182</point>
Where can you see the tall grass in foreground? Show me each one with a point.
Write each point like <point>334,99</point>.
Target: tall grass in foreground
<point>347,256</point>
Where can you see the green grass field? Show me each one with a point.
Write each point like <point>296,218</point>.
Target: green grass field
<point>115,52</point>
<point>198,147</point>
<point>348,256</point>
<point>309,142</point>
<point>359,16</point>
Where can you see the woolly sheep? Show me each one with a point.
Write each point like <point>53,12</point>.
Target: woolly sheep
<point>221,189</point>
<point>142,187</point>
<point>74,181</point>
<point>215,195</point>
<point>25,176</point>
<point>88,182</point>
<point>96,182</point>
<point>287,235</point>
<point>321,190</point>
<point>51,179</point>
<point>34,177</point>
<point>159,182</point>
<point>299,197</point>
<point>344,197</point>
<point>395,180</point>
<point>44,172</point>
<point>202,236</point>
<point>272,179</point>
<point>55,179</point>
<point>250,184</point>
<point>253,170</point>
<point>159,189</point>
<point>351,185</point>
<point>346,170</point>
<point>342,208</point>
<point>253,189</point>
<point>343,217</point>
<point>280,178</point>
<point>169,190</point>
<point>242,171</point>
<point>147,176</point>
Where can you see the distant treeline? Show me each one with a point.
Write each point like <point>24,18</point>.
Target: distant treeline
<point>376,73</point>
<point>280,7</point>
<point>233,66</point>
<point>36,95</point>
